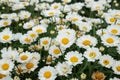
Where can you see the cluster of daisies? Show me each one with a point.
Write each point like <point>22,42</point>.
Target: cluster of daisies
<point>59,40</point>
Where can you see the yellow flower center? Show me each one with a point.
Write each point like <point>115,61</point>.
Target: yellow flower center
<point>65,1</point>
<point>84,28</point>
<point>26,16</point>
<point>86,42</point>
<point>45,42</point>
<point>97,7</point>
<point>11,57</point>
<point>68,33</point>
<point>102,33</point>
<point>106,62</point>
<point>27,40</point>
<point>5,23</point>
<point>2,76</point>
<point>24,57</point>
<point>99,76</point>
<point>117,15</point>
<point>32,35</point>
<point>60,28</point>
<point>65,41</point>
<point>56,6</point>
<point>74,59</point>
<point>65,69</point>
<point>5,16</point>
<point>24,3</point>
<point>51,13</point>
<point>29,65</point>
<point>49,59</point>
<point>56,51</point>
<point>6,37</point>
<point>110,40</point>
<point>114,31</point>
<point>75,19</point>
<point>112,20</point>
<point>118,68</point>
<point>5,66</point>
<point>92,54</point>
<point>47,74</point>
<point>29,26</point>
<point>39,30</point>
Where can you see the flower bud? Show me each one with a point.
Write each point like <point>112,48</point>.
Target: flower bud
<point>83,76</point>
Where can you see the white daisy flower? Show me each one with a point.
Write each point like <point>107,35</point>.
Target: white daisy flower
<point>45,41</point>
<point>24,57</point>
<point>116,67</point>
<point>47,73</point>
<point>74,58</point>
<point>109,40</point>
<point>5,77</point>
<point>32,34</point>
<point>6,35</point>
<point>109,19</point>
<point>86,41</point>
<point>39,29</point>
<point>5,22</point>
<point>77,6</point>
<point>17,6</point>
<point>6,66</point>
<point>65,40</point>
<point>73,17</point>
<point>13,16</point>
<point>67,32</point>
<point>101,32</point>
<point>56,6</point>
<point>25,39</point>
<point>61,27</point>
<point>9,53</point>
<point>30,66</point>
<point>97,6</point>
<point>28,25</point>
<point>66,1</point>
<point>4,16</point>
<point>92,54</point>
<point>106,61</point>
<point>24,15</point>
<point>63,69</point>
<point>36,56</point>
<point>85,26</point>
<point>49,13</point>
<point>55,51</point>
<point>113,29</point>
